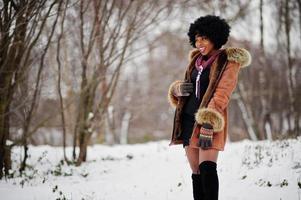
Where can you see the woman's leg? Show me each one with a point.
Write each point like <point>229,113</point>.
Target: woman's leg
<point>209,177</point>
<point>193,159</point>
<point>192,155</point>
<point>204,176</point>
<point>208,154</point>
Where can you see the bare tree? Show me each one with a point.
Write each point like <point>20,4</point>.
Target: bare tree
<point>286,8</point>
<point>247,114</point>
<point>107,34</point>
<point>21,25</point>
<point>60,36</point>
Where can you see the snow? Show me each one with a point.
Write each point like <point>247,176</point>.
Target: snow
<point>155,171</point>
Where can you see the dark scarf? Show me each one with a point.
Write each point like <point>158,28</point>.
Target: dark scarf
<point>200,65</point>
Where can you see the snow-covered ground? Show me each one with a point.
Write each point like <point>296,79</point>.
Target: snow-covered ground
<point>155,171</point>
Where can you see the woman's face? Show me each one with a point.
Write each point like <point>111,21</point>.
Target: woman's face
<point>204,45</point>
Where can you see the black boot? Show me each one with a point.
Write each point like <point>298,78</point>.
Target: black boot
<point>197,187</point>
<point>209,180</point>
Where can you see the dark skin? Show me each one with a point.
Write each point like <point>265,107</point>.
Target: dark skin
<point>205,46</point>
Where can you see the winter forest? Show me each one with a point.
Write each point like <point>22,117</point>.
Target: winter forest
<point>84,112</point>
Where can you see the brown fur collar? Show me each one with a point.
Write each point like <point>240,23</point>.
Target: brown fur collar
<point>235,54</point>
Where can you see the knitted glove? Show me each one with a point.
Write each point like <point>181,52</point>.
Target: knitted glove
<point>205,137</point>
<point>182,89</point>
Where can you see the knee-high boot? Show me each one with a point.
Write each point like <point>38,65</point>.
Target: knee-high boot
<point>197,187</point>
<point>209,180</point>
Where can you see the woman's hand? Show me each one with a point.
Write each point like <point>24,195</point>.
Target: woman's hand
<point>206,135</point>
<point>182,89</point>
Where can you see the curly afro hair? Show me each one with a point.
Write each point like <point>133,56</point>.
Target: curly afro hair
<point>213,27</point>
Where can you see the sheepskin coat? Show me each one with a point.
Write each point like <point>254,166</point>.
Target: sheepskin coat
<point>213,109</point>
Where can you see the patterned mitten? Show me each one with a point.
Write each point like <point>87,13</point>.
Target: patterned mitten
<point>206,135</point>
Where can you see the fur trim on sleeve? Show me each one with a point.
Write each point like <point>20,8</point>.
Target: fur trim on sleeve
<point>239,55</point>
<point>211,116</point>
<point>172,99</point>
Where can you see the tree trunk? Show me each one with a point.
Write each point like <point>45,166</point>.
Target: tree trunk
<point>59,81</point>
<point>247,115</point>
<point>291,72</point>
<point>268,127</point>
<point>266,121</point>
<point>109,126</point>
<point>5,162</point>
<point>125,128</point>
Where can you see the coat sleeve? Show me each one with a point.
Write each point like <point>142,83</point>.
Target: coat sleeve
<point>213,114</point>
<point>172,99</point>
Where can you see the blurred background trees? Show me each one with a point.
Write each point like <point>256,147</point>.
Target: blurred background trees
<point>80,72</point>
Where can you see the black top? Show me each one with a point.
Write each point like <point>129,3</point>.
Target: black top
<point>192,104</point>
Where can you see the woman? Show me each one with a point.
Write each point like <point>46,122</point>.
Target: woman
<point>201,101</point>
